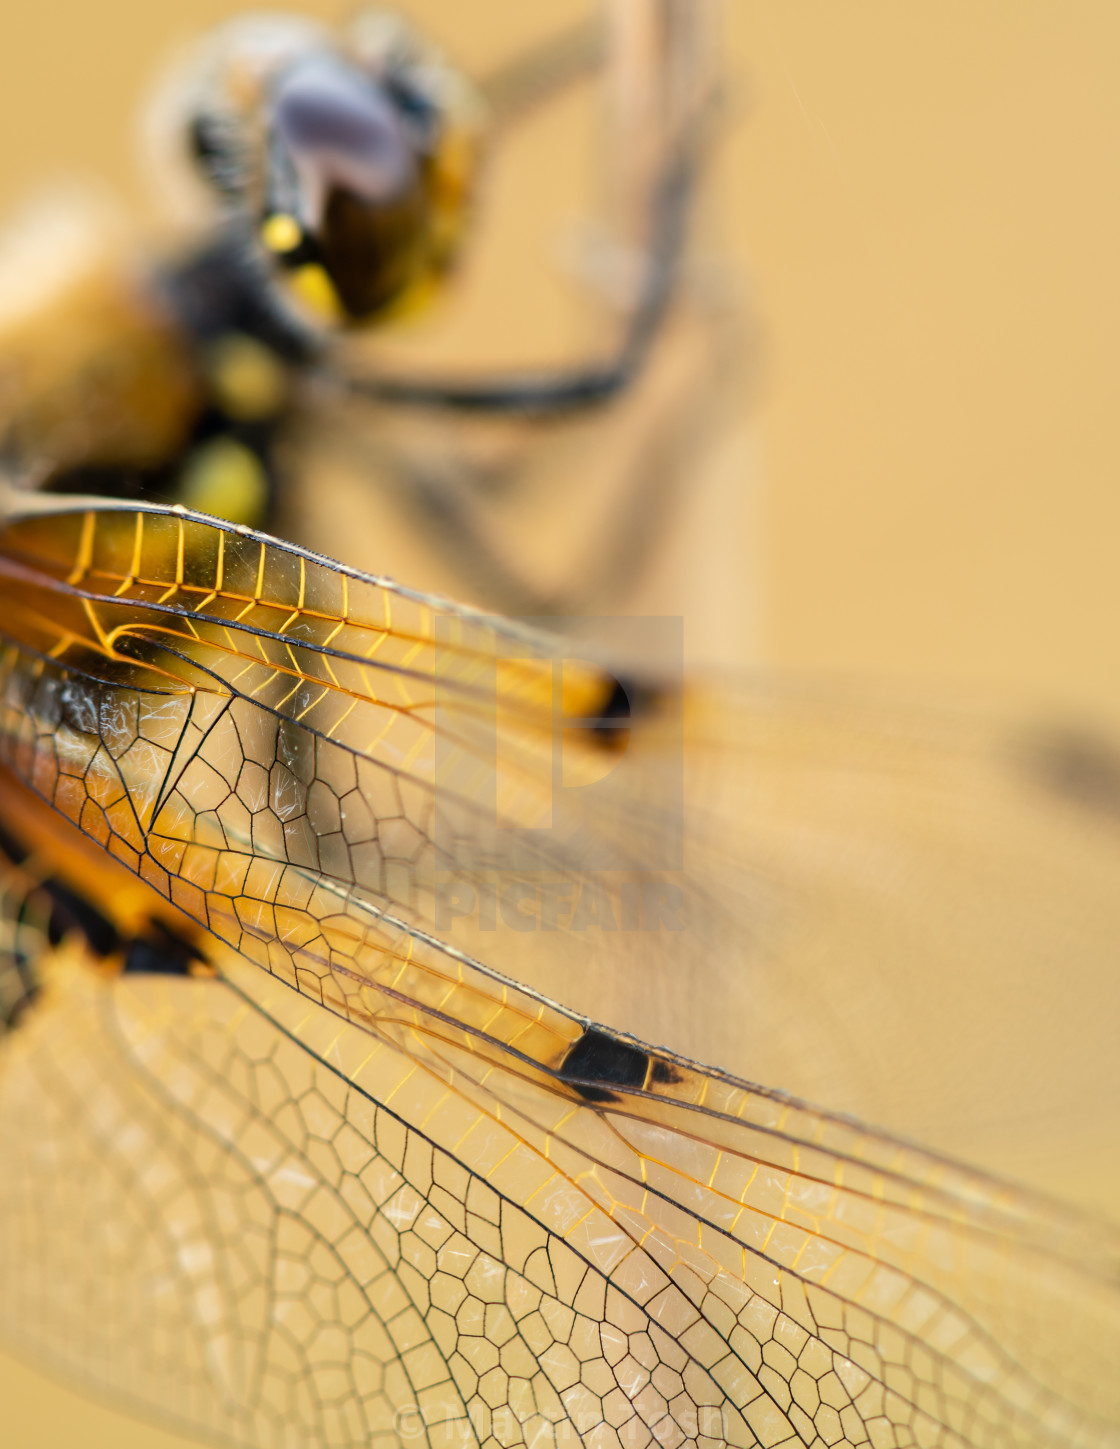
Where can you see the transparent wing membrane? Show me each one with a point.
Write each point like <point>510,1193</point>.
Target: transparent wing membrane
<point>301,1235</point>
<point>418,1200</point>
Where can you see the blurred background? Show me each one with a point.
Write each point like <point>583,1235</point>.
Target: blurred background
<point>920,478</point>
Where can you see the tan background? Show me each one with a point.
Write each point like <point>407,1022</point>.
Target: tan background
<point>927,204</point>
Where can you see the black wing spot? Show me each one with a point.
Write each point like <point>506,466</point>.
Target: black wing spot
<point>665,1074</point>
<point>617,704</point>
<point>161,953</point>
<point>597,1057</point>
<point>627,699</point>
<point>624,700</point>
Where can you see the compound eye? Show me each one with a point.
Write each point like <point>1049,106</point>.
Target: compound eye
<point>371,252</point>
<point>339,128</point>
<point>347,193</point>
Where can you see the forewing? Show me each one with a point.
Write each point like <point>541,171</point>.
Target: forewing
<point>895,911</point>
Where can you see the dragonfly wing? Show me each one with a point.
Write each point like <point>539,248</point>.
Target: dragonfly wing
<point>258,735</point>
<point>900,913</point>
<point>903,914</point>
<point>927,924</point>
<point>273,1227</point>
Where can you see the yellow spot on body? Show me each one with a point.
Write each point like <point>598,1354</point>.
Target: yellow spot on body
<point>226,479</point>
<point>315,290</point>
<point>248,380</point>
<point>281,233</point>
<point>412,300</point>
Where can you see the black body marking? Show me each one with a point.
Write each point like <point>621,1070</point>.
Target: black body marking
<point>161,953</point>
<point>67,910</point>
<point>11,848</point>
<point>159,950</point>
<point>70,911</point>
<point>223,288</point>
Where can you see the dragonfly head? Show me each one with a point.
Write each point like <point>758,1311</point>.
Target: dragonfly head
<point>368,160</point>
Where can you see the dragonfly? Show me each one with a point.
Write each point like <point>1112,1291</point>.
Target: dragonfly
<point>342,925</point>
<point>286,1163</point>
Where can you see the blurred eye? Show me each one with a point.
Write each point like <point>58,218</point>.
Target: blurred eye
<point>340,131</point>
<point>348,208</point>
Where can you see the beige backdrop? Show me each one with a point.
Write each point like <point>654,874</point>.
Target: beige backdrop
<point>926,203</point>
